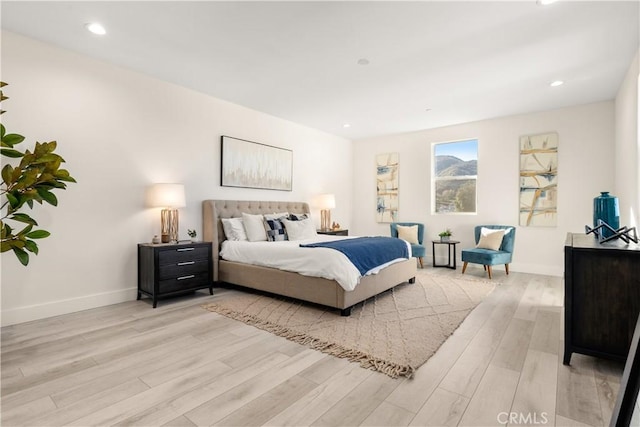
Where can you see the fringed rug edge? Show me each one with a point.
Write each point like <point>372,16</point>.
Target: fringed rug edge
<point>365,360</point>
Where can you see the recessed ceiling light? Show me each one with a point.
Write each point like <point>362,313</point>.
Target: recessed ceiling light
<point>556,83</point>
<point>545,2</point>
<point>363,61</point>
<point>346,125</point>
<point>96,28</point>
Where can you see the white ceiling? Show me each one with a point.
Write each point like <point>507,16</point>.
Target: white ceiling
<point>465,61</point>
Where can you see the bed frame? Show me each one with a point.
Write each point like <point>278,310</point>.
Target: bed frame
<point>312,289</point>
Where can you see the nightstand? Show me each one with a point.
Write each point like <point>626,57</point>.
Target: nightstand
<point>334,232</point>
<point>173,269</point>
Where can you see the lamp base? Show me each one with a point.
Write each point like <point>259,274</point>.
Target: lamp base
<point>325,219</point>
<point>169,224</point>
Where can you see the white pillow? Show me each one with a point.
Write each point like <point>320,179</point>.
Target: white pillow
<point>492,240</point>
<point>408,233</point>
<point>254,227</point>
<point>234,229</point>
<point>484,231</point>
<point>300,230</point>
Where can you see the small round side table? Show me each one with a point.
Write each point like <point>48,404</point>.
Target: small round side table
<point>450,244</point>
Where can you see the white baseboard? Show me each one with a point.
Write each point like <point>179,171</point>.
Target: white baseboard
<point>72,305</point>
<point>545,270</point>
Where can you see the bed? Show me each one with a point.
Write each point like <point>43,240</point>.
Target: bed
<point>312,289</point>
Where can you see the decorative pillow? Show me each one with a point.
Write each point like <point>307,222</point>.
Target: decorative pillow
<point>234,229</point>
<point>408,233</point>
<point>254,226</point>
<point>276,215</point>
<point>492,240</point>
<point>300,230</point>
<point>298,217</point>
<point>484,230</point>
<point>275,230</point>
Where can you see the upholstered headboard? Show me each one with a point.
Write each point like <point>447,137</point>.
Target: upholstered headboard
<point>214,210</point>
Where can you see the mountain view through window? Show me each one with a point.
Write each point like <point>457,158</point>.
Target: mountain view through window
<point>455,175</point>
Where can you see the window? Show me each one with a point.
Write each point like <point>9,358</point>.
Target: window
<point>455,172</point>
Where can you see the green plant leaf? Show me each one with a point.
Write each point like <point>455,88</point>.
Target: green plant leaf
<point>10,152</point>
<point>3,130</point>
<point>23,218</point>
<point>7,171</point>
<point>12,139</point>
<point>13,201</point>
<point>22,255</point>
<point>5,246</point>
<point>24,231</point>
<point>31,246</point>
<point>48,196</point>
<point>38,234</point>
<point>46,158</point>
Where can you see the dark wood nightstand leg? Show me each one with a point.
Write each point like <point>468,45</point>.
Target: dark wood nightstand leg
<point>211,290</point>
<point>155,302</point>
<point>139,296</point>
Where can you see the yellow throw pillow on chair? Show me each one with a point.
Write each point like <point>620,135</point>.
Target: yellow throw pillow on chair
<point>408,233</point>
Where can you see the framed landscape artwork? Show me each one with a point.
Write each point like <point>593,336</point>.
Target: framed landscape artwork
<point>539,180</point>
<point>253,165</point>
<point>387,187</point>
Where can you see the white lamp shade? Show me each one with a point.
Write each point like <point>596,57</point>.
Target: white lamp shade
<point>166,196</point>
<point>326,201</point>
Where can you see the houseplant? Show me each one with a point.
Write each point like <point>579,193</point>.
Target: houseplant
<point>32,176</point>
<point>445,235</point>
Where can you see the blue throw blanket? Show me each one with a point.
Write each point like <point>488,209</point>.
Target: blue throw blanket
<point>367,252</point>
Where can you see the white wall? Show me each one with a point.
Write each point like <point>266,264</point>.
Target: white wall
<point>627,173</point>
<point>119,132</point>
<point>585,167</point>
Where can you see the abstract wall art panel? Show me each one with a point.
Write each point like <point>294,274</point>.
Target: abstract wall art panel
<point>253,165</point>
<point>387,187</point>
<point>539,180</point>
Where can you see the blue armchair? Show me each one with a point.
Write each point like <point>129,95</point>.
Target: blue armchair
<point>489,257</point>
<point>417,249</point>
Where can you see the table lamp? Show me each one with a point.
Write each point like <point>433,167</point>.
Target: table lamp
<point>170,197</point>
<point>326,202</point>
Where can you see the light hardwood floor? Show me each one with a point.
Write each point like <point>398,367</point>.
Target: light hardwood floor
<point>180,365</point>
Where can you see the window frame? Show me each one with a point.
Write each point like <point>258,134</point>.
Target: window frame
<point>435,179</point>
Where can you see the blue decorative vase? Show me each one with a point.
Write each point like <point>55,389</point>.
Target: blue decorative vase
<point>605,207</point>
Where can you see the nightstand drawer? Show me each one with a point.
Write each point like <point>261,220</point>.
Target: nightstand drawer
<point>186,253</point>
<point>177,269</point>
<point>174,268</point>
<point>186,282</point>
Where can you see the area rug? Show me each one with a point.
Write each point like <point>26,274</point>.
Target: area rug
<point>393,333</point>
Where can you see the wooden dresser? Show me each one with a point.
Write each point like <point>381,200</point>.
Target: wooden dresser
<point>173,269</point>
<point>601,296</point>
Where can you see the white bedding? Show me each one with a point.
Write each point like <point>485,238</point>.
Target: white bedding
<point>289,256</point>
